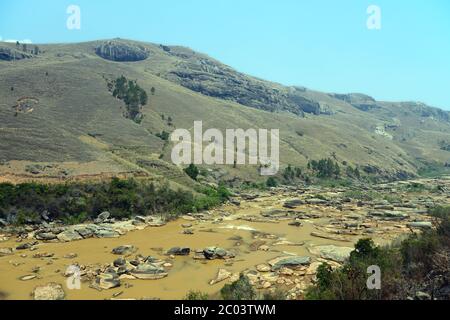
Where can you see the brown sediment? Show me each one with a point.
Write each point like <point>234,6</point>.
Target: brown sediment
<point>187,273</point>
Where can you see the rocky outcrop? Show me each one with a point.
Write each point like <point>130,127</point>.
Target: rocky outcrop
<point>214,79</point>
<point>358,100</point>
<point>8,54</point>
<point>121,51</point>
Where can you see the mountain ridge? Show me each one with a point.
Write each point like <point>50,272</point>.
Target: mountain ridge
<point>84,123</point>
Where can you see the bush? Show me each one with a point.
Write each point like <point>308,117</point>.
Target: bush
<point>239,290</point>
<point>196,296</point>
<point>192,171</point>
<point>421,262</point>
<point>75,203</point>
<point>271,182</point>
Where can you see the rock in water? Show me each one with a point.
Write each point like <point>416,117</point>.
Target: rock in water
<point>212,253</point>
<point>124,250</point>
<point>5,252</point>
<point>177,251</point>
<point>51,291</point>
<point>108,280</point>
<point>45,236</point>
<point>222,275</point>
<point>289,262</point>
<point>149,271</point>
<point>69,235</point>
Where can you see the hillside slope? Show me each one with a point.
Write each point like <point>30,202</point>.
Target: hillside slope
<point>58,118</point>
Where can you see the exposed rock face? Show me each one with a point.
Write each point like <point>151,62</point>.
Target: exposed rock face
<point>358,100</point>
<point>214,79</point>
<point>51,291</point>
<point>9,54</point>
<point>121,52</point>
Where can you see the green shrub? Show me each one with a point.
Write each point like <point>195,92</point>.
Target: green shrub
<point>196,296</point>
<point>239,290</point>
<point>192,171</point>
<point>271,182</point>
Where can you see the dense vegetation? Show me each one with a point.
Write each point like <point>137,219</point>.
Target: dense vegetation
<point>325,168</point>
<point>73,203</point>
<point>132,94</point>
<point>418,267</point>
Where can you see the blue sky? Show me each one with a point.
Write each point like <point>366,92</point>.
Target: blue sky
<point>322,44</point>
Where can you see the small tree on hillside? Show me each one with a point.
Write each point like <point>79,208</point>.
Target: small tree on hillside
<point>192,171</point>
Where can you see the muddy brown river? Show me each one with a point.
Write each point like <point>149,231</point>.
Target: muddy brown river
<point>186,274</point>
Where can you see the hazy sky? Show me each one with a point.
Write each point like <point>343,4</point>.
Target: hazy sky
<point>320,44</point>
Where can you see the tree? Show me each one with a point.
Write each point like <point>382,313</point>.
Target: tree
<point>192,171</point>
<point>271,182</point>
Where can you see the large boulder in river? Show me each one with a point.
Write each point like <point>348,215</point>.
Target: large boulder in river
<point>177,251</point>
<point>51,291</point>
<point>69,235</point>
<point>6,252</point>
<point>289,262</point>
<point>149,271</point>
<point>121,51</point>
<point>124,250</point>
<point>212,253</point>
<point>107,280</point>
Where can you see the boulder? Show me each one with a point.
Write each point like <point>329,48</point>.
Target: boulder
<point>107,280</point>
<point>6,252</point>
<point>222,275</point>
<point>69,235</point>
<point>149,271</point>
<point>294,203</point>
<point>289,262</point>
<point>177,251</point>
<point>331,252</point>
<point>84,232</point>
<point>45,236</point>
<point>124,250</point>
<point>51,291</point>
<point>26,246</point>
<point>263,268</point>
<point>212,253</point>
<point>102,217</point>
<point>421,225</point>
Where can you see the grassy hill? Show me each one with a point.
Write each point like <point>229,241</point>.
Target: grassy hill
<point>71,125</point>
